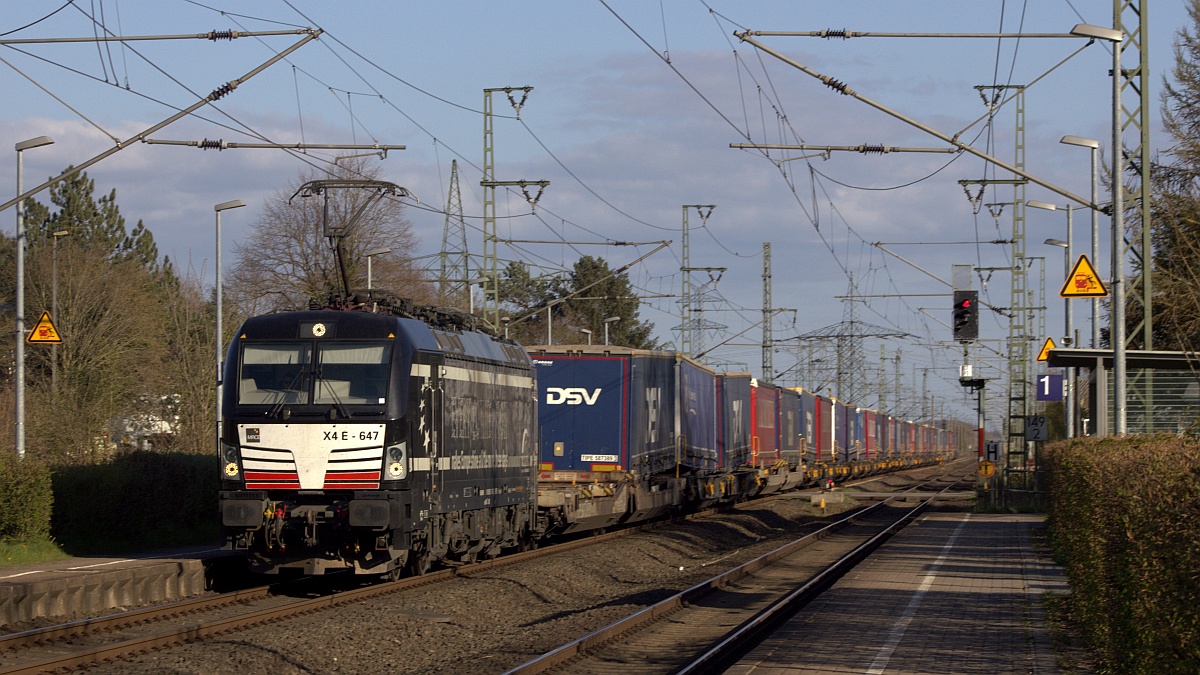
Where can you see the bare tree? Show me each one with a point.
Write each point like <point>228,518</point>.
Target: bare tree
<point>289,261</point>
<point>110,314</point>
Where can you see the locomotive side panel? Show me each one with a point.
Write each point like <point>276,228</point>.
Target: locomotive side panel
<point>488,454</point>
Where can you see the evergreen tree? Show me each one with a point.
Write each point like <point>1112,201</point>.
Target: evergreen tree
<point>582,299</point>
<point>608,295</point>
<point>93,224</point>
<point>1175,210</point>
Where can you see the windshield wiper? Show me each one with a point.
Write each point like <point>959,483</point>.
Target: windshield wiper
<point>337,401</point>
<point>292,386</point>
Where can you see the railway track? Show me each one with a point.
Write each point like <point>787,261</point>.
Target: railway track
<point>111,638</point>
<point>703,628</point>
<point>120,636</point>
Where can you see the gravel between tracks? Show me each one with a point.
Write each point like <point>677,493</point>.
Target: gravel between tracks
<point>493,620</point>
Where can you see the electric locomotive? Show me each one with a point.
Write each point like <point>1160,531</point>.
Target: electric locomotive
<point>375,437</point>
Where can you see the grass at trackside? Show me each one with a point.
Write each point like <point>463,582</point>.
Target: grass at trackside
<point>27,552</point>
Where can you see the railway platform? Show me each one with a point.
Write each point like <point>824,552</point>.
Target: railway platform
<point>953,592</point>
<point>77,586</point>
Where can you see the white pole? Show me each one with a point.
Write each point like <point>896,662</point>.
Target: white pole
<point>20,300</point>
<point>20,355</point>
<point>1070,372</point>
<point>1117,324</point>
<point>237,203</point>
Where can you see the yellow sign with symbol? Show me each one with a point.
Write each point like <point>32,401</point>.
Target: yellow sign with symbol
<point>987,469</point>
<point>1083,282</point>
<point>1045,353</point>
<point>44,331</point>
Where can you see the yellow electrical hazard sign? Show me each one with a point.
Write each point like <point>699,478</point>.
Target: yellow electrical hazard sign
<point>1045,353</point>
<point>44,331</point>
<point>1083,282</point>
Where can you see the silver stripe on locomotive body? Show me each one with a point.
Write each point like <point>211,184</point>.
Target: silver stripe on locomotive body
<point>470,375</point>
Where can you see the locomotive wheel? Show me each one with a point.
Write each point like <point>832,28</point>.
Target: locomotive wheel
<point>393,574</point>
<point>419,562</point>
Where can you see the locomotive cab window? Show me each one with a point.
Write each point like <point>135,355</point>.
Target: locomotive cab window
<point>353,373</point>
<point>275,373</point>
<point>344,373</point>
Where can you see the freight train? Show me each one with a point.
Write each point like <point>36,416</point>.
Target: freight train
<point>378,437</point>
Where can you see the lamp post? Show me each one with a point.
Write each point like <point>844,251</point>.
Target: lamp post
<point>1066,245</point>
<point>611,319</point>
<point>223,206</point>
<point>1116,328</point>
<point>20,308</point>
<point>1095,147</point>
<point>471,284</point>
<point>588,333</point>
<point>1070,372</point>
<point>383,250</point>
<point>54,308</point>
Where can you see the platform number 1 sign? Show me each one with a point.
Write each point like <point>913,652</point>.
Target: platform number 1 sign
<point>1050,387</point>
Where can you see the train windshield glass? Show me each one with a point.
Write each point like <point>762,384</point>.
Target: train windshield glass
<point>275,373</point>
<point>344,373</point>
<point>353,372</point>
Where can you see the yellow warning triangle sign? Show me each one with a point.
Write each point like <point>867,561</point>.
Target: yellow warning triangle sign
<point>44,331</point>
<point>1083,282</point>
<point>1045,353</point>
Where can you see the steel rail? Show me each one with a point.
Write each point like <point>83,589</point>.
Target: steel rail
<point>749,632</point>
<point>592,641</point>
<point>123,648</point>
<point>37,636</point>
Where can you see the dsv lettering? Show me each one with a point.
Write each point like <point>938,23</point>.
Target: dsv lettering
<point>571,396</point>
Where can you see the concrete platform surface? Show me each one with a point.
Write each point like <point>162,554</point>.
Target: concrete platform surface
<point>75,586</point>
<point>952,593</point>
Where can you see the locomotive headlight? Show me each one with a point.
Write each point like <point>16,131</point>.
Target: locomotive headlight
<point>397,466</point>
<point>229,454</point>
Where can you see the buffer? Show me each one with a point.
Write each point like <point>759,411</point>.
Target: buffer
<point>1083,282</point>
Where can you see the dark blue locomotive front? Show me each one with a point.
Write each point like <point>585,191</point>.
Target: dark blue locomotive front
<point>369,442</point>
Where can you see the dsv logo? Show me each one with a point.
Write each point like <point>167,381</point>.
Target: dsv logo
<point>571,396</point>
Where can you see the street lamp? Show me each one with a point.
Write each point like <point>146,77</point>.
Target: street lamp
<point>1070,372</point>
<point>54,308</point>
<point>611,319</point>
<point>383,250</point>
<point>223,206</point>
<point>1095,146</point>
<point>471,284</point>
<point>588,333</point>
<point>20,309</point>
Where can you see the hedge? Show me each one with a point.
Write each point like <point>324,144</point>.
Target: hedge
<point>1124,518</point>
<point>26,499</point>
<point>135,501</point>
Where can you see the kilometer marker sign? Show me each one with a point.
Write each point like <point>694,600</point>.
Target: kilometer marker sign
<point>1083,282</point>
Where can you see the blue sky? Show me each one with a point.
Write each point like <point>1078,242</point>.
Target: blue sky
<point>634,106</point>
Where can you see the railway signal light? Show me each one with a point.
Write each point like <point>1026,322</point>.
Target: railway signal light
<point>966,315</point>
